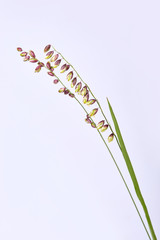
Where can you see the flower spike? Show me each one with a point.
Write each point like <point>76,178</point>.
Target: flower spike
<point>51,74</point>
<point>104,128</point>
<point>41,63</point>
<point>26,58</point>
<point>111,137</point>
<point>63,68</point>
<point>57,63</point>
<point>73,83</point>
<point>67,67</point>
<point>100,124</point>
<point>90,102</point>
<point>93,112</point>
<point>84,91</point>
<point>33,60</point>
<point>61,90</point>
<point>23,54</point>
<point>38,68</point>
<point>47,48</point>
<point>55,81</point>
<point>78,87</point>
<point>69,76</point>
<point>49,54</point>
<point>32,54</point>
<point>88,120</point>
<point>66,91</point>
<point>86,98</point>
<point>93,125</point>
<point>48,65</point>
<point>19,49</point>
<point>71,95</point>
<point>54,58</point>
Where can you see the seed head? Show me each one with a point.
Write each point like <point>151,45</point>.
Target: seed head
<point>85,98</point>
<point>55,81</point>
<point>111,137</point>
<point>71,95</point>
<point>67,67</point>
<point>66,91</point>
<point>74,81</point>
<point>63,68</point>
<point>93,112</point>
<point>51,74</point>
<point>69,76</point>
<point>26,58</point>
<point>84,91</point>
<point>32,54</point>
<point>100,124</point>
<point>88,120</point>
<point>19,49</point>
<point>23,54</point>
<point>49,54</point>
<point>104,128</point>
<point>61,90</point>
<point>57,63</point>
<point>93,124</point>
<point>41,64</point>
<point>46,49</point>
<point>54,58</point>
<point>48,65</point>
<point>90,102</point>
<point>78,87</point>
<point>38,68</point>
<point>33,60</point>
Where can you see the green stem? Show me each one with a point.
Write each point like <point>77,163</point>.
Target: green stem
<point>148,219</point>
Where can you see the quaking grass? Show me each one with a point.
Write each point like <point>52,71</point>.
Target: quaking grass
<point>55,60</point>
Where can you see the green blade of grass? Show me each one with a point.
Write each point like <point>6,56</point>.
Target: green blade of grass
<point>131,171</point>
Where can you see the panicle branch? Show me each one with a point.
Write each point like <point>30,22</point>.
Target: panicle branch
<point>80,88</point>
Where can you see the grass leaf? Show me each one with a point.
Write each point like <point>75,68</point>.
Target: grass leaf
<point>131,170</point>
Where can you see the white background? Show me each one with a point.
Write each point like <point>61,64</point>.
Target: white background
<point>57,180</point>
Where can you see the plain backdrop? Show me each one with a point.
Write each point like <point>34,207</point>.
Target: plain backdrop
<point>57,179</point>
